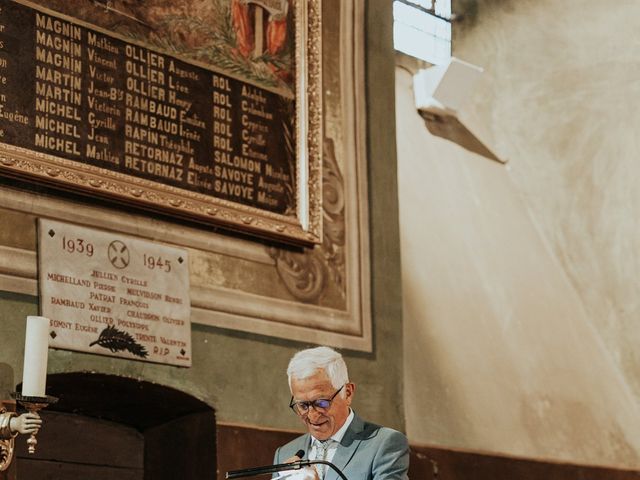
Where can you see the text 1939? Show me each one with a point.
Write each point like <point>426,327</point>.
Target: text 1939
<point>77,245</point>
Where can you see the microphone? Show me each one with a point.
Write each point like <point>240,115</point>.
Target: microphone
<point>248,472</point>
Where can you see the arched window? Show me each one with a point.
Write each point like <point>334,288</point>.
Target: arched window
<point>422,29</point>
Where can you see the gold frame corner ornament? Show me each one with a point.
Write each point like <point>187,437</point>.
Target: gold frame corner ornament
<point>7,440</point>
<point>7,448</point>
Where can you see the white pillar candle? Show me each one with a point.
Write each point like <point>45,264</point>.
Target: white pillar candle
<point>36,345</point>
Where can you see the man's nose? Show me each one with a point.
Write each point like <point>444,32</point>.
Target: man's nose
<point>313,414</point>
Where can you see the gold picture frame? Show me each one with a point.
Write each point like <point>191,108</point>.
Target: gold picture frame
<point>300,222</point>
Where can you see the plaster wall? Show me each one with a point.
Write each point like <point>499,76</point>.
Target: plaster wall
<point>559,100</point>
<point>520,282</point>
<point>240,375</point>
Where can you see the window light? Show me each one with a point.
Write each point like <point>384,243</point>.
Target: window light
<point>422,29</point>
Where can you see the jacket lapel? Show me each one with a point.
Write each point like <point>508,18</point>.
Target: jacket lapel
<point>347,448</point>
<point>305,445</point>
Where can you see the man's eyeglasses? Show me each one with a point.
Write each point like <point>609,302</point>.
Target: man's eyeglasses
<point>320,404</point>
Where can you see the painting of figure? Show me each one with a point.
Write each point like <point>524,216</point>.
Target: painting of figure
<point>250,39</point>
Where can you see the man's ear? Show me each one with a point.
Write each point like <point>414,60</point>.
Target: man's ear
<point>350,389</point>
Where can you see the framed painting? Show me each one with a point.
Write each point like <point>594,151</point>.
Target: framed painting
<point>210,111</point>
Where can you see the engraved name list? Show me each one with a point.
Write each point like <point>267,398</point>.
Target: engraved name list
<point>84,95</point>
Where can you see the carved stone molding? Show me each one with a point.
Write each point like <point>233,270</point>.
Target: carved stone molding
<point>307,274</point>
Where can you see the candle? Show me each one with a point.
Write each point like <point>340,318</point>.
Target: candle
<point>36,345</point>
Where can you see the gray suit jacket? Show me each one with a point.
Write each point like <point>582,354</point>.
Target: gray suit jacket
<point>366,452</point>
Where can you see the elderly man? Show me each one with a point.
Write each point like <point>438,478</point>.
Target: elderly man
<point>321,397</point>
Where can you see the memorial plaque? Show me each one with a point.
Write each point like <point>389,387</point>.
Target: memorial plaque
<point>85,109</point>
<point>114,295</point>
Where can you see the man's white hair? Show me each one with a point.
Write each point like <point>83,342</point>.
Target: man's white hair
<point>306,363</point>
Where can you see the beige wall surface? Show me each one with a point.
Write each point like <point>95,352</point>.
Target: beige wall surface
<point>520,282</point>
<point>560,97</point>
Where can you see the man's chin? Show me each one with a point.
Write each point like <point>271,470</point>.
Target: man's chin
<point>320,431</point>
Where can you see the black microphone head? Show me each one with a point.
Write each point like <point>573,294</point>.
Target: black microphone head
<point>300,453</point>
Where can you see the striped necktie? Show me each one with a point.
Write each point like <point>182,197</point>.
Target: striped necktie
<point>322,449</point>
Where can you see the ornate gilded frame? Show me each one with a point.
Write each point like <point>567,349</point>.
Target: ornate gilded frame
<point>303,228</point>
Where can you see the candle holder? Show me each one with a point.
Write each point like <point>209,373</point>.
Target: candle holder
<point>34,405</point>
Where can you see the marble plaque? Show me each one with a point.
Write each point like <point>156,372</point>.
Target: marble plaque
<point>115,295</point>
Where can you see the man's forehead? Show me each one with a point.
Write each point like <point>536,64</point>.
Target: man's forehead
<point>318,382</point>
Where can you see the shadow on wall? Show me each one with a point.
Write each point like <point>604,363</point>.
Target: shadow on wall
<point>6,380</point>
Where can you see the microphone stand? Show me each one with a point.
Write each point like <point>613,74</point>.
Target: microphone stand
<point>248,472</point>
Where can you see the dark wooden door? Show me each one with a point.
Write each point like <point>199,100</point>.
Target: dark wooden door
<point>75,447</point>
<point>108,427</point>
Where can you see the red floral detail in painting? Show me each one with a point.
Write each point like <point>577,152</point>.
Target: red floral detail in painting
<point>276,35</point>
<point>243,17</point>
<point>242,25</point>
